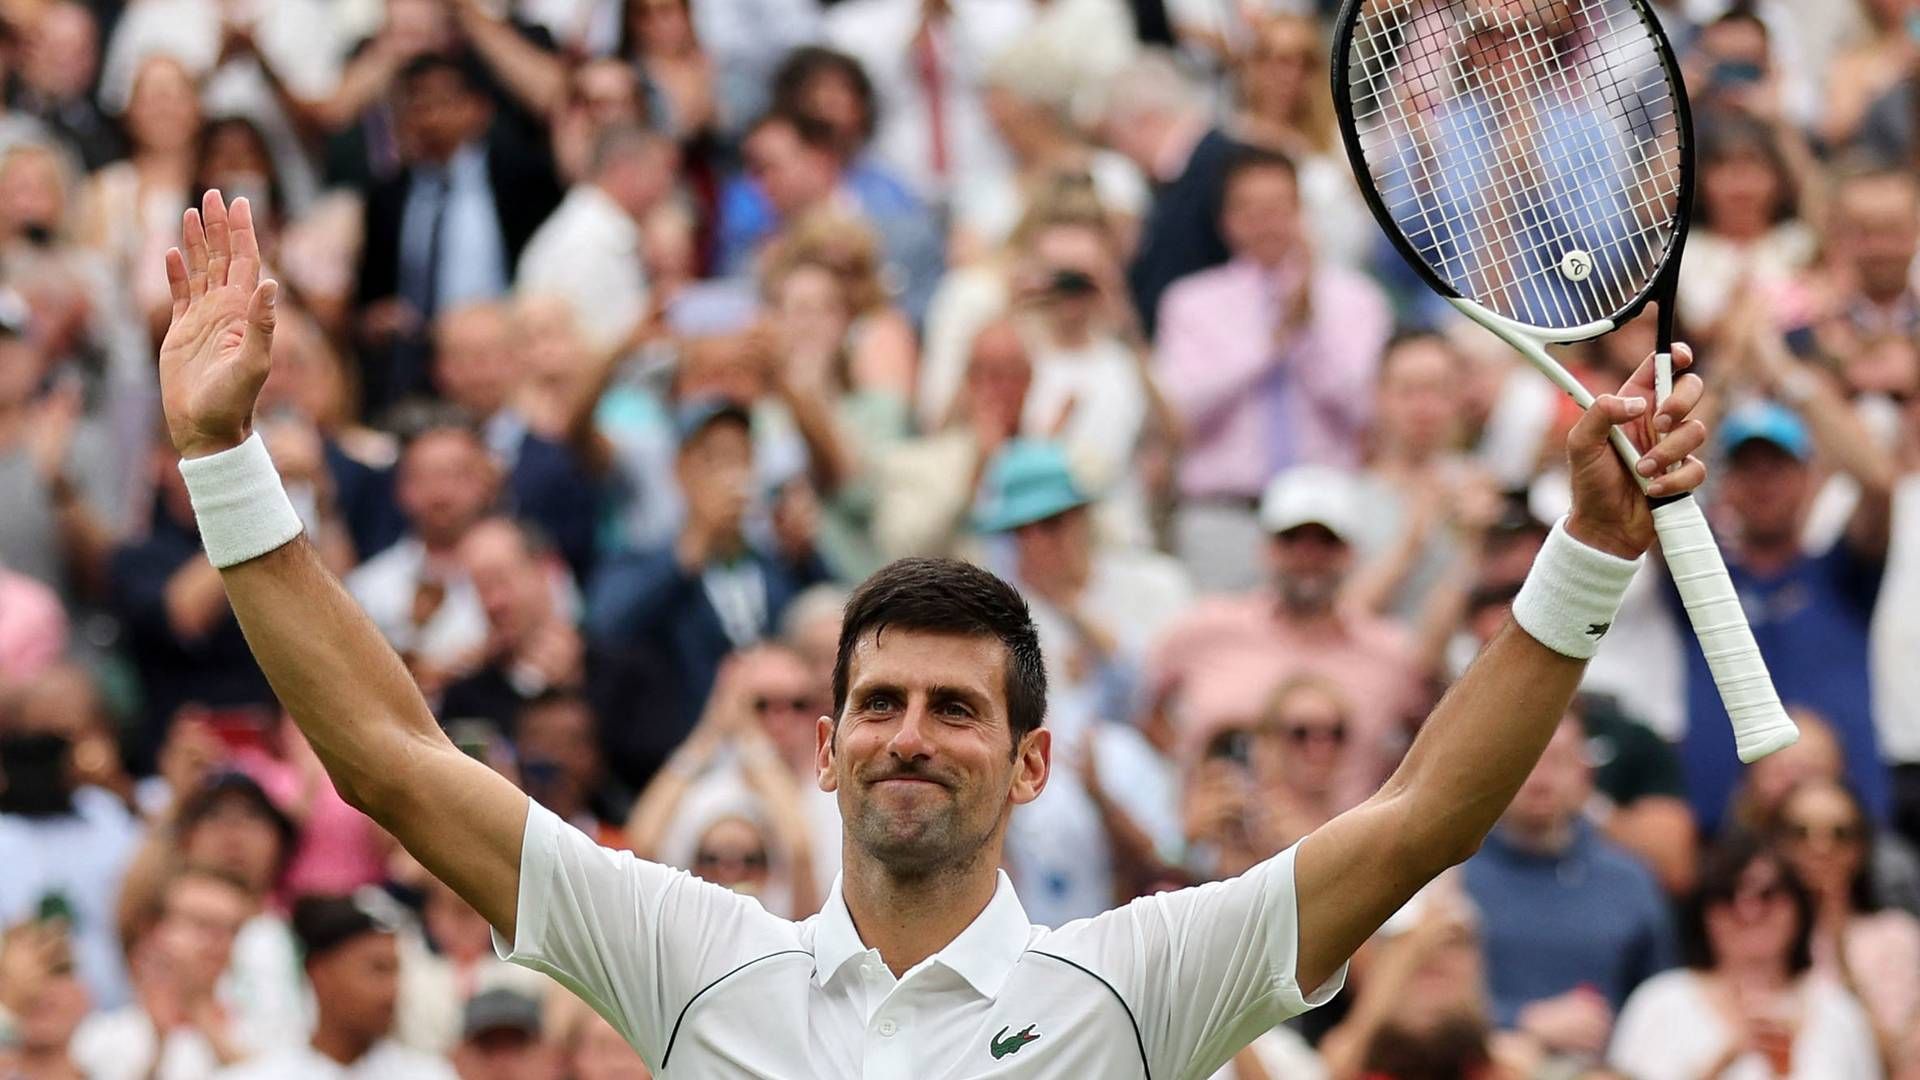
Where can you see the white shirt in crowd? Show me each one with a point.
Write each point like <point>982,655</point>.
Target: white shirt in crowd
<point>1895,635</point>
<point>704,982</point>
<point>880,34</point>
<point>298,37</point>
<point>588,253</point>
<point>123,1045</point>
<point>388,1060</point>
<point>385,584</point>
<point>1669,1030</point>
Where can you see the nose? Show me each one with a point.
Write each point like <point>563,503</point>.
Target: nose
<point>912,740</point>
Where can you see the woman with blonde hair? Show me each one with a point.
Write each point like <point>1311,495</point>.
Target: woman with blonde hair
<point>1281,73</point>
<point>131,209</point>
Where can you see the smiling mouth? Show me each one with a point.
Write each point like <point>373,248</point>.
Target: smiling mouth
<point>915,780</point>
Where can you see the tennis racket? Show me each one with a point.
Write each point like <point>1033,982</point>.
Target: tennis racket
<point>1533,161</point>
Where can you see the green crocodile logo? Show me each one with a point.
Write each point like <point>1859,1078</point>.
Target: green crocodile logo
<point>1004,1044</point>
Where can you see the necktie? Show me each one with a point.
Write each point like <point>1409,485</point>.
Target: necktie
<point>926,60</point>
<point>425,295</point>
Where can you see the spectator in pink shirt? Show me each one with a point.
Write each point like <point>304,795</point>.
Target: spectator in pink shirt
<point>1268,361</point>
<point>33,627</point>
<point>1218,666</point>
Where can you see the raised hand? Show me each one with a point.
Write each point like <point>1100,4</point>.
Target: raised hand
<point>1609,512</point>
<point>219,347</point>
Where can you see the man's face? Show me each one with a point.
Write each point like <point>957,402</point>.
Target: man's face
<point>439,114</point>
<point>639,182</point>
<point>476,361</point>
<point>513,592</point>
<point>1877,230</point>
<point>561,734</point>
<point>922,757</point>
<point>998,374</point>
<point>715,470</point>
<point>446,482</point>
<point>1310,563</point>
<point>201,916</point>
<point>1308,732</point>
<point>793,174</point>
<point>1057,550</point>
<point>1767,490</point>
<point>786,698</point>
<point>358,984</point>
<point>63,52</point>
<point>236,840</point>
<point>1261,220</point>
<point>1419,402</point>
<point>831,97</point>
<point>1558,786</point>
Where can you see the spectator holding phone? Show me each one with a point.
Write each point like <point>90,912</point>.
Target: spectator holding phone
<point>1747,1003</point>
<point>42,1002</point>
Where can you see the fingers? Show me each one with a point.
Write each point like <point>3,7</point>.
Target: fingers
<point>213,211</point>
<point>1642,379</point>
<point>260,309</point>
<point>1687,392</point>
<point>177,281</point>
<point>1673,448</point>
<point>245,269</point>
<point>193,238</point>
<point>1589,434</point>
<point>1687,477</point>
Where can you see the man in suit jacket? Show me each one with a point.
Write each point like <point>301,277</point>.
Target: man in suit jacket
<point>448,229</point>
<point>711,591</point>
<point>1158,119</point>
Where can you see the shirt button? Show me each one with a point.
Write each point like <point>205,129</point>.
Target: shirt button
<point>887,1029</point>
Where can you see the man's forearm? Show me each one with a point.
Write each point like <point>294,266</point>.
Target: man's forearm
<point>1479,744</point>
<point>330,668</point>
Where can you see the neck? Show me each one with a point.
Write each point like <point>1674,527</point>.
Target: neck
<point>1539,837</point>
<point>46,1061</point>
<point>1769,555</point>
<point>337,1044</point>
<point>1765,972</point>
<point>908,920</point>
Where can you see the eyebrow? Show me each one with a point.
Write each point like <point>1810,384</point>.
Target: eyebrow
<point>936,692</point>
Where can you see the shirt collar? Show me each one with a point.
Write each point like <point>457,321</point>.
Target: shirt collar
<point>984,954</point>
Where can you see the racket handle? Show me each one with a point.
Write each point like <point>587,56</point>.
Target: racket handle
<point>1662,378</point>
<point>1760,724</point>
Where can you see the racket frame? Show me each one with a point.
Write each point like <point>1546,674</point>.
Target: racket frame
<point>1761,725</point>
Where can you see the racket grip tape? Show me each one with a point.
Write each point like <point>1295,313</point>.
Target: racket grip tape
<point>1760,724</point>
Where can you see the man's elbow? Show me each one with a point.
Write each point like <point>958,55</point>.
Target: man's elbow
<point>384,789</point>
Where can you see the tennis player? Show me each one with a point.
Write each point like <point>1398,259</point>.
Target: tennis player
<point>922,963</point>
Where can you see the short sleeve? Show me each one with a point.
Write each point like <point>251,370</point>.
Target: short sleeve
<point>634,939</point>
<point>1205,970</point>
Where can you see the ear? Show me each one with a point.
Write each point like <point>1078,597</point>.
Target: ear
<point>1032,766</point>
<point>823,729</point>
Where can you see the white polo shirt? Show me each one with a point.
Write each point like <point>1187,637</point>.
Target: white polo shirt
<point>705,983</point>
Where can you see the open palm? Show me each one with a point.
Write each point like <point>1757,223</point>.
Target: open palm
<point>218,349</point>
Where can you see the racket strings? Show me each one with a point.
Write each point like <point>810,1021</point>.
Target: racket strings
<point>1505,145</point>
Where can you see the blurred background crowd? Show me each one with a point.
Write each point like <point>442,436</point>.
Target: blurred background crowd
<point>618,338</point>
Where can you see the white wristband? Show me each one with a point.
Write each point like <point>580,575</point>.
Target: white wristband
<point>1572,594</point>
<point>243,510</point>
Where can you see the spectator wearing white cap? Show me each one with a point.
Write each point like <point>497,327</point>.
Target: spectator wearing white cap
<point>1217,666</point>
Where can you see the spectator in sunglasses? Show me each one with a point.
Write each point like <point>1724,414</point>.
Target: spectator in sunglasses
<point>1872,951</point>
<point>1748,1003</point>
<point>1306,729</point>
<point>726,805</point>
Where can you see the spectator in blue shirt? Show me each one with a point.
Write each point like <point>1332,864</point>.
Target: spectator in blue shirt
<point>1809,610</point>
<point>1573,923</point>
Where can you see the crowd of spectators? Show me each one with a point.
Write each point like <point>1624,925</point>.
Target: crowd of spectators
<point>619,338</point>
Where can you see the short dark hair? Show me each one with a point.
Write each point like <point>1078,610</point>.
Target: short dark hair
<point>1251,159</point>
<point>1719,879</point>
<point>427,64</point>
<point>948,596</point>
<point>807,63</point>
<point>813,132</point>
